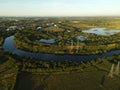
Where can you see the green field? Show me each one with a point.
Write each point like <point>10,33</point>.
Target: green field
<point>88,80</point>
<point>91,78</point>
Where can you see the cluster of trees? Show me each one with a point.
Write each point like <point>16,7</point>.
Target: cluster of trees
<point>66,42</point>
<point>1,42</point>
<point>35,66</point>
<point>28,42</point>
<point>8,72</point>
<point>39,66</point>
<point>105,22</point>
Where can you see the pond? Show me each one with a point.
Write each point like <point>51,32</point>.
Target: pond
<point>81,38</point>
<point>8,45</point>
<point>51,41</point>
<point>101,31</point>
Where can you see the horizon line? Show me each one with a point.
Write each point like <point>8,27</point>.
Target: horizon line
<point>62,16</point>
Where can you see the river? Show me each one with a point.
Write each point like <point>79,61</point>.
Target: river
<point>8,45</point>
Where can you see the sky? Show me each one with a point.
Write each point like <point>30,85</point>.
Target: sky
<point>59,7</point>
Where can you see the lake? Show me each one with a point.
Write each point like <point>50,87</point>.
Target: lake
<point>101,31</point>
<point>46,41</point>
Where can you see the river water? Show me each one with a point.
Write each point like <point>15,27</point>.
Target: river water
<point>8,45</point>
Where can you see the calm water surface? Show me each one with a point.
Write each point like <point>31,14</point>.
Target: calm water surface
<point>9,46</point>
<point>101,31</point>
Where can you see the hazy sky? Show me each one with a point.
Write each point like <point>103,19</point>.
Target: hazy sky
<point>59,7</point>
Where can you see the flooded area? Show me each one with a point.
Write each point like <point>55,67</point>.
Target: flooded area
<point>101,31</point>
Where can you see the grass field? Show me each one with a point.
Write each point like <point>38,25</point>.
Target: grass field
<point>91,78</point>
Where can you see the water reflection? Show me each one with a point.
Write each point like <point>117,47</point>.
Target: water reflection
<point>101,31</point>
<point>81,38</point>
<point>9,46</point>
<point>46,40</point>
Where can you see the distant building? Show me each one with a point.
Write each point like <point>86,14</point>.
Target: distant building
<point>50,24</point>
<point>14,28</point>
<point>55,25</point>
<point>38,28</point>
<point>75,21</point>
<point>59,22</point>
<point>67,31</point>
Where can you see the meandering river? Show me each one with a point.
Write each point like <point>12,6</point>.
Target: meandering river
<point>8,45</point>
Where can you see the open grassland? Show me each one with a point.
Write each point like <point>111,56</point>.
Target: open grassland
<point>92,78</point>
